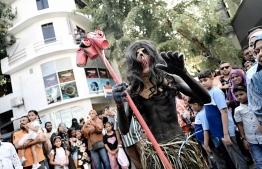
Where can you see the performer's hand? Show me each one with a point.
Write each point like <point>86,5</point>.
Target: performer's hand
<point>174,63</point>
<point>118,93</point>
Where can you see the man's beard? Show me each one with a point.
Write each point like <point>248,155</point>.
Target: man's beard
<point>22,127</point>
<point>48,130</point>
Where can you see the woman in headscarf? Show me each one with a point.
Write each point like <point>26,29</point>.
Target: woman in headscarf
<point>237,77</point>
<point>75,124</point>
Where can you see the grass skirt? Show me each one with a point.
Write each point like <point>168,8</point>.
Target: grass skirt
<point>191,156</point>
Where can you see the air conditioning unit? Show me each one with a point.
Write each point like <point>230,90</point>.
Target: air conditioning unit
<point>16,102</point>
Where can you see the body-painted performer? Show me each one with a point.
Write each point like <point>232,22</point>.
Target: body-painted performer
<point>154,81</point>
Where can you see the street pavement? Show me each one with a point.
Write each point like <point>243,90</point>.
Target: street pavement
<point>253,166</point>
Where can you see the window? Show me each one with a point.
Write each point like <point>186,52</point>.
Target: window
<point>42,4</point>
<point>79,34</point>
<point>49,32</point>
<point>97,76</point>
<point>66,115</point>
<point>59,80</point>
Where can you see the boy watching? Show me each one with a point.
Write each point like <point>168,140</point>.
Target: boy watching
<point>246,123</point>
<point>220,120</point>
<point>202,133</point>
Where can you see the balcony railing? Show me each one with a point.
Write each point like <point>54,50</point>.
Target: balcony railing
<point>47,43</point>
<point>17,56</point>
<point>41,47</point>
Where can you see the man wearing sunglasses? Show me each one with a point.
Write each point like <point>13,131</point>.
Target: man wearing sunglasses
<point>225,69</point>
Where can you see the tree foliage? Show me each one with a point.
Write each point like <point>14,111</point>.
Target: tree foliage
<point>190,27</point>
<point>6,17</point>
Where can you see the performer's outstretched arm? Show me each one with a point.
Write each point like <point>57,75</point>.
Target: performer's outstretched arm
<point>190,87</point>
<point>175,65</point>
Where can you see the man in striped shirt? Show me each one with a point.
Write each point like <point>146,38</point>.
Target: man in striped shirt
<point>131,141</point>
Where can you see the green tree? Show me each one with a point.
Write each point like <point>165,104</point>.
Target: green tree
<point>6,39</point>
<point>6,17</point>
<point>190,26</point>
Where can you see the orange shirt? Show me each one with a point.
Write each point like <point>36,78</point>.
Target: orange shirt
<point>28,153</point>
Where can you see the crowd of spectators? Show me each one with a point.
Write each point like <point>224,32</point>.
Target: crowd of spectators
<point>88,143</point>
<point>229,128</point>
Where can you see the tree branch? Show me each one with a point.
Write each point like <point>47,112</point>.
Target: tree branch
<point>199,45</point>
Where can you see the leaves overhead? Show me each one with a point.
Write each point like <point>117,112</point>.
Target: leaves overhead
<point>6,17</point>
<point>190,26</point>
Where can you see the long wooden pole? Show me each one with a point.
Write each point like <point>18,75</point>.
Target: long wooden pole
<point>136,111</point>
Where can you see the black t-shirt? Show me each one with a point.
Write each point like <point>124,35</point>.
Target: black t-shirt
<point>105,120</point>
<point>111,141</point>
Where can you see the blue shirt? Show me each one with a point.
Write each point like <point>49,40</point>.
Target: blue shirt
<point>213,114</point>
<point>201,124</point>
<point>249,75</point>
<point>255,94</point>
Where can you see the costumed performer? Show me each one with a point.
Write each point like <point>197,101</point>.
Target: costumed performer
<point>154,81</point>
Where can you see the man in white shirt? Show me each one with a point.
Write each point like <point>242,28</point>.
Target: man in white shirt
<point>48,132</point>
<point>8,157</point>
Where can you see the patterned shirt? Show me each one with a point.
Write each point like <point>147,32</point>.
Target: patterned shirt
<point>255,94</point>
<point>245,115</point>
<point>134,135</point>
<point>9,157</point>
<point>223,83</point>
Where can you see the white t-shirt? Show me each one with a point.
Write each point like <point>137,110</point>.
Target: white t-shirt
<point>32,133</point>
<point>9,157</point>
<point>60,156</point>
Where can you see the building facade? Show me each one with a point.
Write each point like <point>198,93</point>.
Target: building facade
<point>42,64</point>
<point>248,15</point>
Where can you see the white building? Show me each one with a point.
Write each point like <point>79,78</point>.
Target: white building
<point>42,64</point>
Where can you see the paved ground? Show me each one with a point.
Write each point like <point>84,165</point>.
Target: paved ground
<point>252,166</point>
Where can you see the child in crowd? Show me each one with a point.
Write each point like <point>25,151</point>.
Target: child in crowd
<point>246,123</point>
<point>34,130</point>
<point>201,127</point>
<point>72,143</point>
<point>84,160</point>
<point>220,120</point>
<point>111,146</point>
<point>58,156</point>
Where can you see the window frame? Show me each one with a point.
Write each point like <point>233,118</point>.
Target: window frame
<point>48,30</point>
<point>41,4</point>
